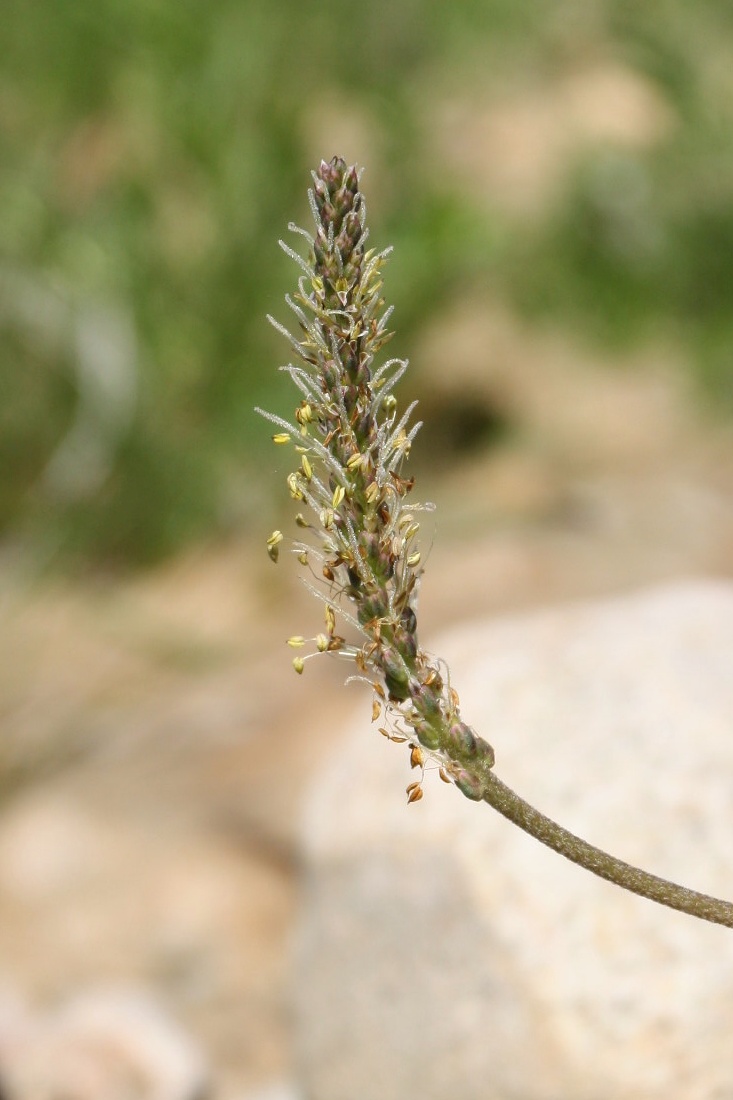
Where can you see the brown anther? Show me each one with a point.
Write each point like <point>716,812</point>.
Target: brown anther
<point>402,484</point>
<point>396,737</point>
<point>417,757</point>
<point>328,573</point>
<point>376,709</point>
<point>414,792</point>
<point>444,775</point>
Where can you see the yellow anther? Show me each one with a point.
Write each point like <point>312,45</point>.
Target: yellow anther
<point>330,617</point>
<point>321,643</point>
<point>354,460</point>
<point>326,517</point>
<point>303,557</point>
<point>273,544</point>
<point>338,495</point>
<point>295,491</point>
<point>298,665</point>
<point>414,559</point>
<point>372,492</point>
<point>296,641</point>
<point>307,468</point>
<point>281,437</point>
<point>301,521</point>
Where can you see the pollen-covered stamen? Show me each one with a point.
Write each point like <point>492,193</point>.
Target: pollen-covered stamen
<point>294,487</point>
<point>273,545</point>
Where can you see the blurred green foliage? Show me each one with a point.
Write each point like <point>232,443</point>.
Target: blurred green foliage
<point>153,151</point>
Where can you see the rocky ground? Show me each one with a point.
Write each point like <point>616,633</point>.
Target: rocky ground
<point>156,744</point>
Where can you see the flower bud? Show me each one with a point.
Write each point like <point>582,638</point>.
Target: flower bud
<point>375,607</point>
<point>406,644</point>
<point>427,700</point>
<point>472,786</point>
<point>350,179</point>
<point>461,741</point>
<point>408,618</point>
<point>396,676</point>
<point>428,737</point>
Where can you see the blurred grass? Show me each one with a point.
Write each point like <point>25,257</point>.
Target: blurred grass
<point>152,153</point>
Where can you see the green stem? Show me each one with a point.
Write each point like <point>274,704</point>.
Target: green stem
<point>548,832</point>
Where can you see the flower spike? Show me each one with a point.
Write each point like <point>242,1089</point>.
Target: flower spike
<point>353,447</point>
<point>350,451</point>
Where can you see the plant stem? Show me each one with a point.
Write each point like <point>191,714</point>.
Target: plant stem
<point>519,812</point>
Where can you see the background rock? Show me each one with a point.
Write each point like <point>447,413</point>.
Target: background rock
<point>442,953</point>
<point>103,1045</point>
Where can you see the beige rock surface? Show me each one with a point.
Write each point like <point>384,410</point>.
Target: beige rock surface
<point>444,953</point>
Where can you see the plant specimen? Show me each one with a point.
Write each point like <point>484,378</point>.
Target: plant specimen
<point>361,545</point>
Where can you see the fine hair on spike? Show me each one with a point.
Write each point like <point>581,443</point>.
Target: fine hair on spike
<point>293,228</point>
<point>294,256</point>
